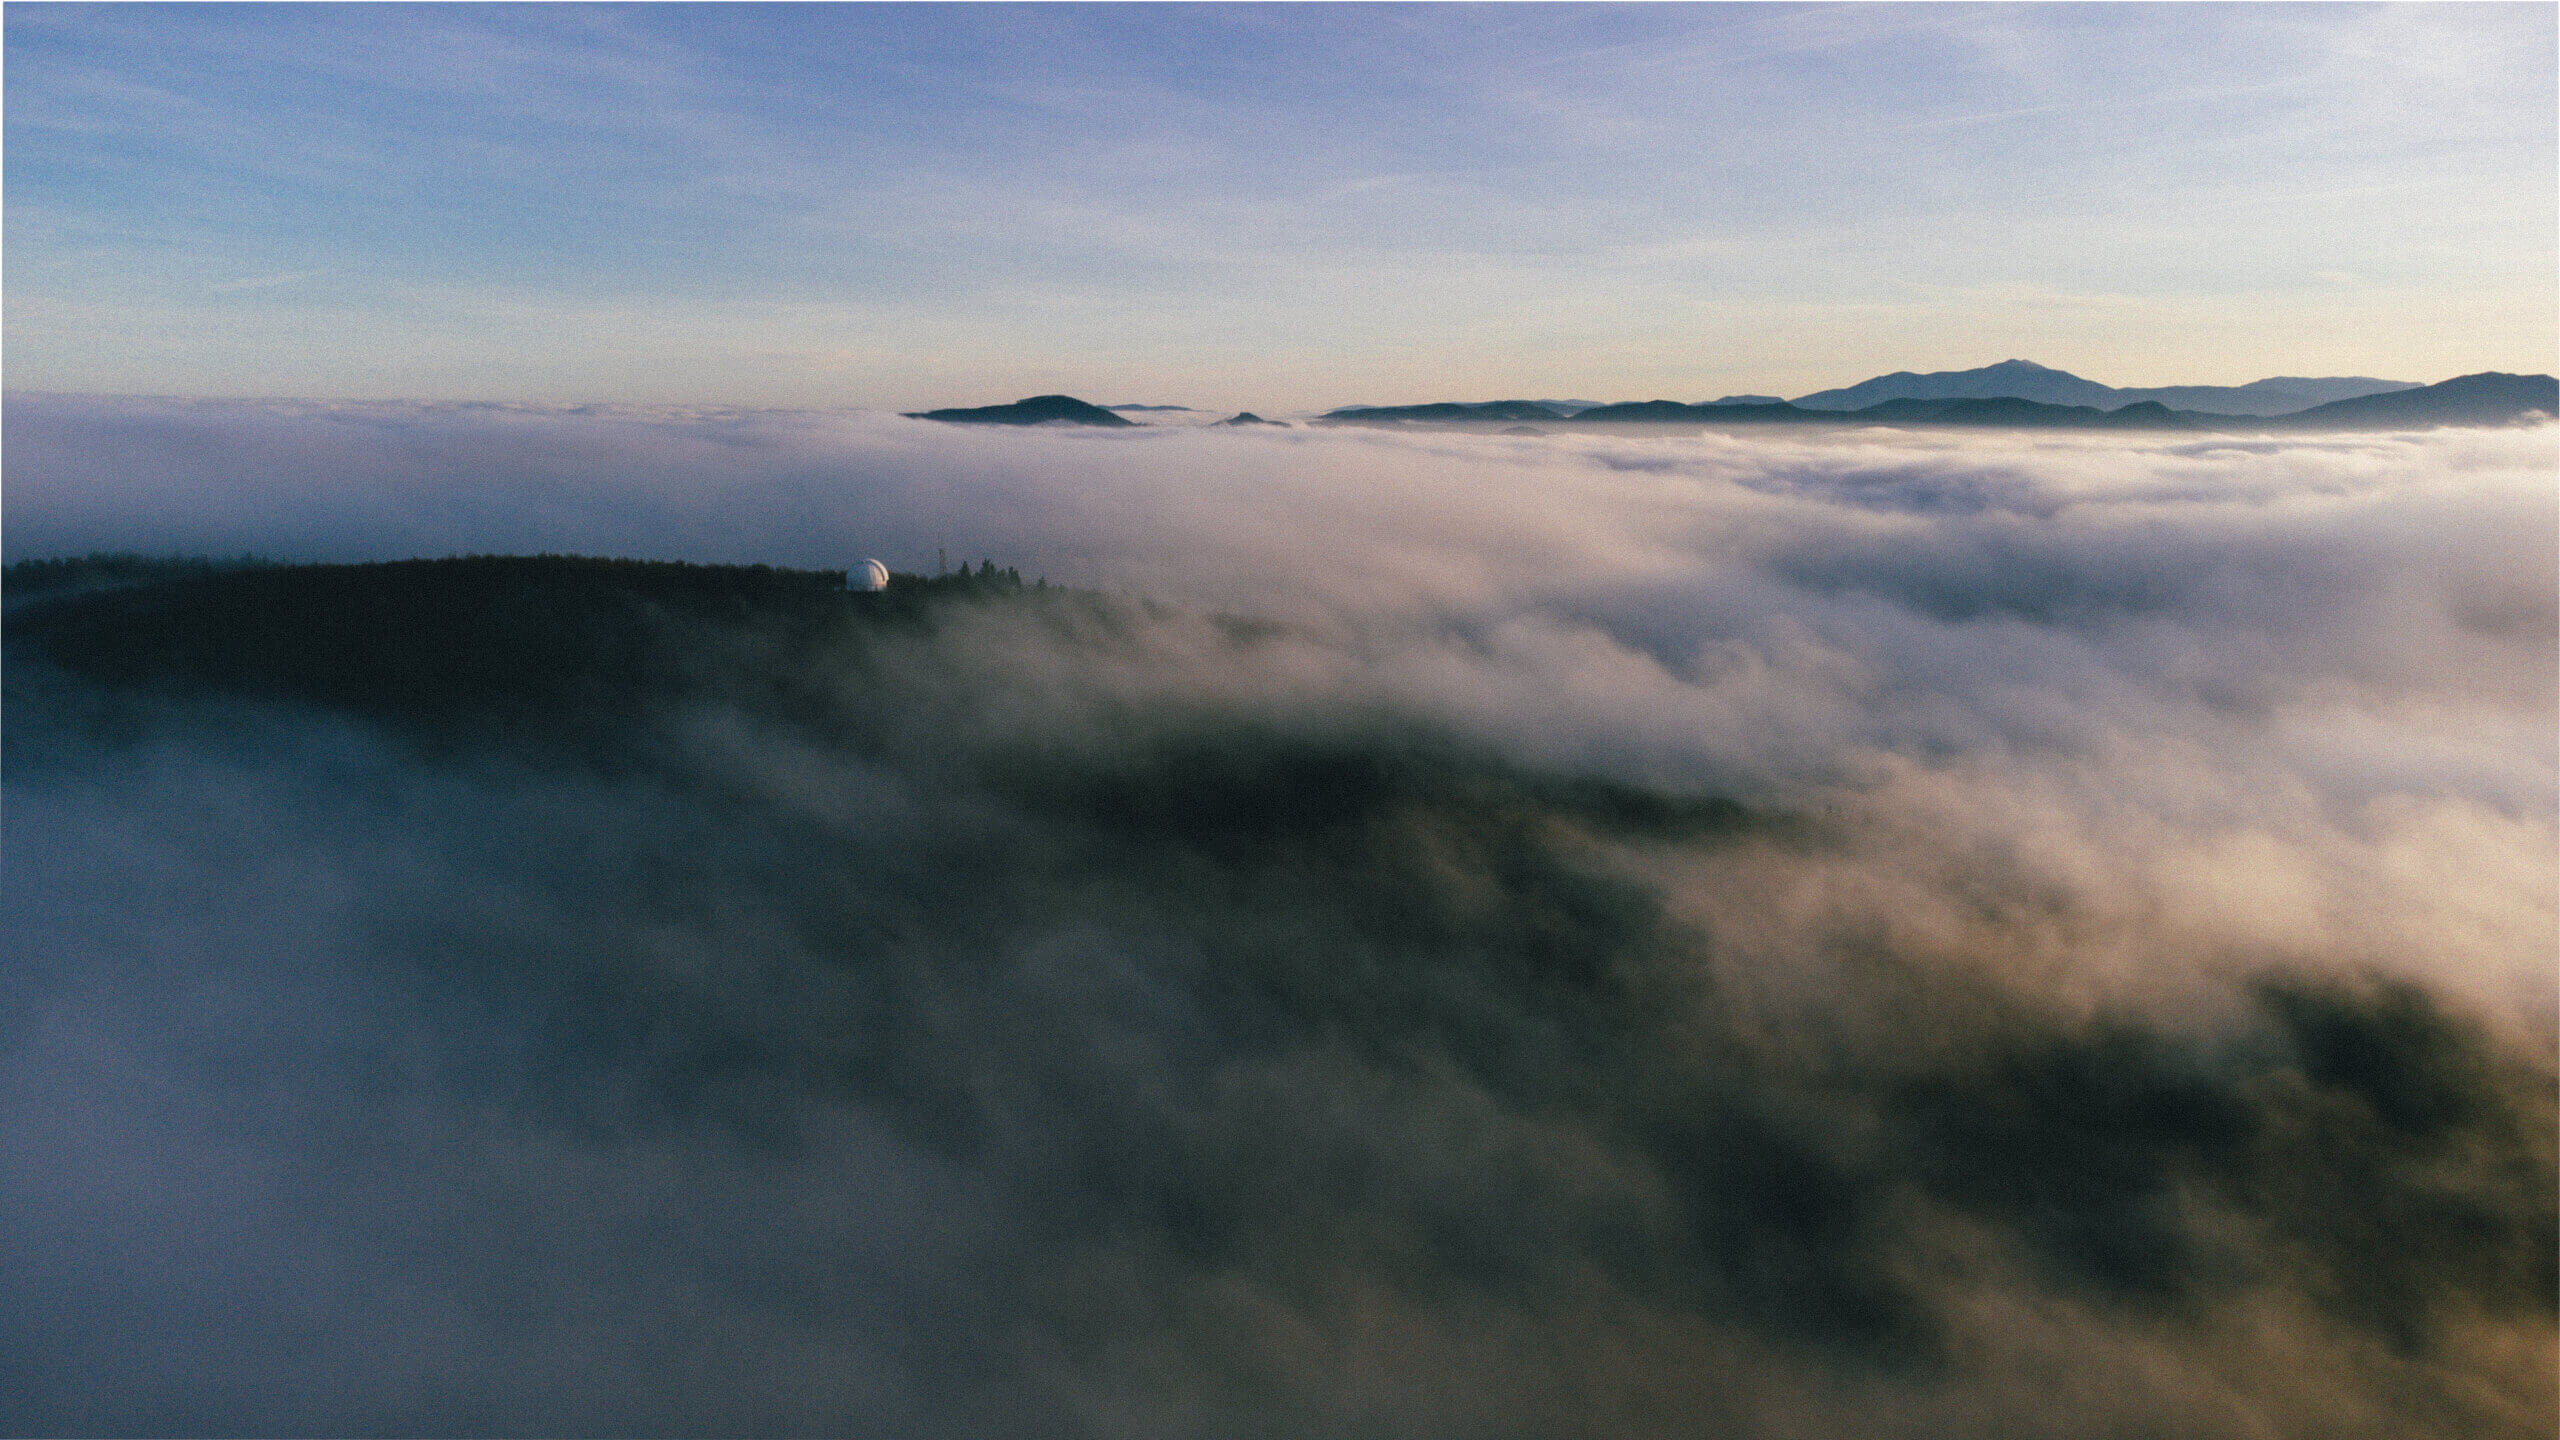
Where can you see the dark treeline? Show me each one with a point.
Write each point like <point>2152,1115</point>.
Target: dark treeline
<point>985,580</point>
<point>107,569</point>
<point>546,645</point>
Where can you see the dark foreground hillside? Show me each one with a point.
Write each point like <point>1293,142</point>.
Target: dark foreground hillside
<point>526,645</point>
<point>513,996</point>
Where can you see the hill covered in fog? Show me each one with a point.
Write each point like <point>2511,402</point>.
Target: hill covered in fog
<point>1830,934</point>
<point>528,646</point>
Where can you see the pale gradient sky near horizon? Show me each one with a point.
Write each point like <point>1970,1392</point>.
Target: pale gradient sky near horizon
<point>1268,207</point>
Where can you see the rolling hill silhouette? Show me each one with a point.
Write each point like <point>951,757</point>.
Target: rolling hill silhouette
<point>1036,410</point>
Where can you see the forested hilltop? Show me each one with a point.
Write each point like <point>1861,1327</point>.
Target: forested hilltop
<point>529,644</point>
<point>48,579</point>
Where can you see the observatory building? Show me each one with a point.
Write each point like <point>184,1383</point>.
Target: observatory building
<point>867,576</point>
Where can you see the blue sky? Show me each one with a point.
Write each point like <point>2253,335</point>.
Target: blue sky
<point>1273,207</point>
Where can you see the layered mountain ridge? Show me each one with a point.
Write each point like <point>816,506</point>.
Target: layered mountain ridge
<point>2026,380</point>
<point>2488,398</point>
<point>2013,393</point>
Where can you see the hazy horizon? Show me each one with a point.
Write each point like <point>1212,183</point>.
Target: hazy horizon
<point>961,397</point>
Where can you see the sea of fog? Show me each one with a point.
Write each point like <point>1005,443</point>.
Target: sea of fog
<point>2125,1006</point>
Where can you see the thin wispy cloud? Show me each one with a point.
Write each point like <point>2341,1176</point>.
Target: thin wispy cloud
<point>265,282</point>
<point>1224,174</point>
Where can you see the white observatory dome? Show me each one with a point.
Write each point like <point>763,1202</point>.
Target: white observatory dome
<point>869,575</point>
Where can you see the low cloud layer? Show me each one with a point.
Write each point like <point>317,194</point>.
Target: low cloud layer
<point>1879,933</point>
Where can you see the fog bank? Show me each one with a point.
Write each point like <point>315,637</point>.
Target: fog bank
<point>1882,933</point>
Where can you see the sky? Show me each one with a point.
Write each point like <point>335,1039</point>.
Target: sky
<point>1273,208</point>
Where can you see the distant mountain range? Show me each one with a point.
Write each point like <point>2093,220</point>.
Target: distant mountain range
<point>2026,380</point>
<point>2011,393</point>
<point>2485,399</point>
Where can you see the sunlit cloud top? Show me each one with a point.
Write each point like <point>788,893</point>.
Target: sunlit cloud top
<point>1270,207</point>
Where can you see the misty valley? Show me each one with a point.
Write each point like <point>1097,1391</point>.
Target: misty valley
<point>634,991</point>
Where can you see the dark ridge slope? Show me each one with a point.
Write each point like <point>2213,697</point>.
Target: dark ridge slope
<point>1721,412</point>
<point>2020,414</point>
<point>2489,398</point>
<point>1444,412</point>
